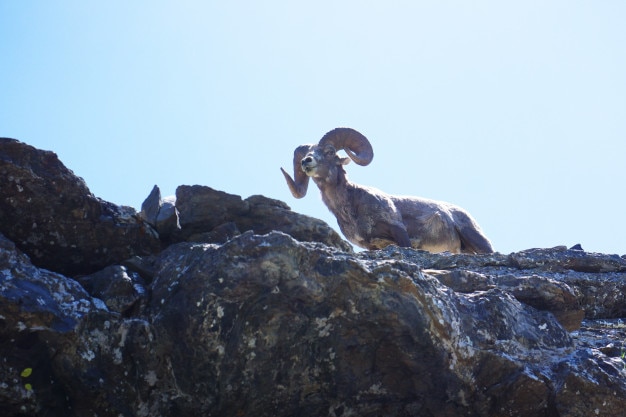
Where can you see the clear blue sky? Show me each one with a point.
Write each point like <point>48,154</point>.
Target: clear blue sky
<point>515,111</point>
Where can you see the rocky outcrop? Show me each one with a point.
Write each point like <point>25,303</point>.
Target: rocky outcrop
<point>201,214</point>
<point>257,322</point>
<point>50,214</point>
<point>161,214</point>
<point>208,215</point>
<point>269,326</point>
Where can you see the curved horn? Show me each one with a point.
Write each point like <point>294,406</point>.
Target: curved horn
<point>355,144</point>
<point>299,186</point>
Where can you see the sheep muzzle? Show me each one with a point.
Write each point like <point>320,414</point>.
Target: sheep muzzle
<point>309,164</point>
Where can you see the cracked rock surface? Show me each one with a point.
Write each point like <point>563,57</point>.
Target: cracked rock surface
<point>50,214</point>
<point>227,316</point>
<point>269,326</point>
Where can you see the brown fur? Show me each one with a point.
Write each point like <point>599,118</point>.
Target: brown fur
<point>372,219</point>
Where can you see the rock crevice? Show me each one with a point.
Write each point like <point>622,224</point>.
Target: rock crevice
<point>215,305</point>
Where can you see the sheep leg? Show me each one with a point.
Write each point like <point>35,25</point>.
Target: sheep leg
<point>472,238</point>
<point>474,241</point>
<point>385,234</point>
<point>399,235</point>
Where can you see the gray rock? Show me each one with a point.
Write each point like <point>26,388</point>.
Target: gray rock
<point>597,280</point>
<point>220,234</point>
<point>167,220</point>
<point>537,291</point>
<point>298,226</point>
<point>561,258</point>
<point>161,214</point>
<point>151,206</point>
<point>212,216</point>
<point>269,326</point>
<point>202,208</point>
<point>40,312</point>
<point>269,313</point>
<point>52,216</point>
<point>121,290</point>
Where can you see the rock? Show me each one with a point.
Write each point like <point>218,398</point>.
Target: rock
<point>597,280</point>
<point>208,215</point>
<point>39,312</point>
<point>256,310</point>
<point>167,220</point>
<point>143,266</point>
<point>202,209</point>
<point>219,234</point>
<point>299,226</point>
<point>202,214</point>
<point>316,332</point>
<point>546,294</point>
<point>52,216</point>
<point>537,291</point>
<point>160,214</point>
<point>602,295</point>
<point>265,325</point>
<point>573,259</point>
<point>45,299</point>
<point>151,206</point>
<point>123,291</point>
<point>574,395</point>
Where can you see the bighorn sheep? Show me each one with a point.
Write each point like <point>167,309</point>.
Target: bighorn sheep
<point>372,219</point>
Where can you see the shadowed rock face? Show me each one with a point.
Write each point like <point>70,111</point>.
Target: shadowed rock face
<point>208,215</point>
<point>269,326</point>
<point>259,323</point>
<point>50,214</point>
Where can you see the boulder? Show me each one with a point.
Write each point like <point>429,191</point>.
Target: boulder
<point>266,325</point>
<point>40,312</point>
<point>591,282</point>
<point>52,216</point>
<point>320,332</point>
<point>212,216</point>
<point>160,213</point>
<point>122,291</point>
<point>243,307</point>
<point>537,291</point>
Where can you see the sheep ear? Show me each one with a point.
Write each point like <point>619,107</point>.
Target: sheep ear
<point>344,161</point>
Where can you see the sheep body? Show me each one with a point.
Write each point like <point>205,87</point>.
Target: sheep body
<point>372,219</point>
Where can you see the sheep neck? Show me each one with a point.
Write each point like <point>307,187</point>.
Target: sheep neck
<point>336,196</point>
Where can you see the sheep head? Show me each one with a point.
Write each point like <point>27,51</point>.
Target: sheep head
<point>321,161</point>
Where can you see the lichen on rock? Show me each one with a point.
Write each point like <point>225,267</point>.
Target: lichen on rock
<point>251,309</point>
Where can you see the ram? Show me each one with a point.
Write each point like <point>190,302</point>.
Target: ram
<point>370,218</point>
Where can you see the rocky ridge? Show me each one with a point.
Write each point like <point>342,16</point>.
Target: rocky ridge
<point>211,304</point>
